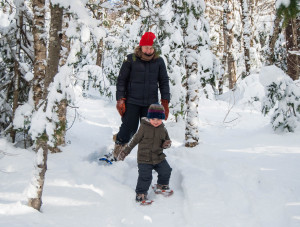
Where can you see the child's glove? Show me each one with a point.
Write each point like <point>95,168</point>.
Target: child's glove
<point>167,144</point>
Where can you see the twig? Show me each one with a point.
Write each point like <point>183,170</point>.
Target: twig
<point>73,120</point>
<point>229,110</point>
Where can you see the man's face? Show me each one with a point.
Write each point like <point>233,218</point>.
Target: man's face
<point>148,50</point>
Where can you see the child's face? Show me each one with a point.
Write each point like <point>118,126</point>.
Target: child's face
<point>155,122</point>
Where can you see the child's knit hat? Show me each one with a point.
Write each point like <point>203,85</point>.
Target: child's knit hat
<point>156,111</point>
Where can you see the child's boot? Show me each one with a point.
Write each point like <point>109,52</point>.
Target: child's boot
<point>142,199</point>
<point>162,189</point>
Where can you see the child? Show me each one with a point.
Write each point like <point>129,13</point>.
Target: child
<point>152,138</point>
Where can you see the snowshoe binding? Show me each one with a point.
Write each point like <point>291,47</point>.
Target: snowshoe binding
<point>143,200</point>
<point>163,190</point>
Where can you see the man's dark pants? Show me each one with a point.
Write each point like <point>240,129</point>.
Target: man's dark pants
<point>130,122</point>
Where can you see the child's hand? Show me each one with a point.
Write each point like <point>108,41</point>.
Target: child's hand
<point>167,144</point>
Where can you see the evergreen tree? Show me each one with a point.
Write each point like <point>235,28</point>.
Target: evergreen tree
<point>282,98</point>
<point>16,54</point>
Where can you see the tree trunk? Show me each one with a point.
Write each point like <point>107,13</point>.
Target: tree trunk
<point>39,34</point>
<point>273,39</point>
<point>293,62</point>
<point>229,44</point>
<point>38,180</point>
<point>54,45</point>
<point>99,53</point>
<point>192,100</point>
<point>62,107</point>
<point>225,49</point>
<point>246,20</point>
<point>192,92</point>
<point>17,74</point>
<point>53,65</point>
<point>39,50</point>
<point>16,81</point>
<point>65,44</point>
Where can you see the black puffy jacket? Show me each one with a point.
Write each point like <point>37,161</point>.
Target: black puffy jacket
<point>139,81</point>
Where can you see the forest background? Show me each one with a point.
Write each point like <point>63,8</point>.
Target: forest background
<point>49,47</point>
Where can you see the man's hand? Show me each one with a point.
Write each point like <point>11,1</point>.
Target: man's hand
<point>165,104</point>
<point>121,106</point>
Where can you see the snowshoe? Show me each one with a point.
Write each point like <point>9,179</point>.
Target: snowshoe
<point>143,200</point>
<point>108,158</point>
<point>163,190</point>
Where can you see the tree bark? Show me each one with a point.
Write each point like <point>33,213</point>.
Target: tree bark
<point>65,44</point>
<point>54,45</point>
<point>53,65</point>
<point>229,44</point>
<point>39,50</point>
<point>17,73</point>
<point>39,34</point>
<point>246,20</point>
<point>225,49</point>
<point>39,175</point>
<point>273,39</point>
<point>16,81</point>
<point>60,133</point>
<point>192,89</point>
<point>192,100</point>
<point>293,62</point>
<point>99,53</point>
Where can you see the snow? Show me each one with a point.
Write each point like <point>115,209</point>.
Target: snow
<point>28,76</point>
<point>241,174</point>
<point>271,74</point>
<point>285,3</point>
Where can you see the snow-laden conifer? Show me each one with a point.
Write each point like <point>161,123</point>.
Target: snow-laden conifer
<point>282,99</point>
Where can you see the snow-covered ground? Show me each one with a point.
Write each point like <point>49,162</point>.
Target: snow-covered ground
<point>241,174</point>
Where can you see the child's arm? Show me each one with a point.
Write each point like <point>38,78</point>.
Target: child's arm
<point>133,142</point>
<point>167,143</point>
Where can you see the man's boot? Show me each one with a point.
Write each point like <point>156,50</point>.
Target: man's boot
<point>117,150</point>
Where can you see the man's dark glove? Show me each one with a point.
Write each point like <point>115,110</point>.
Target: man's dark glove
<point>167,144</point>
<point>121,106</point>
<point>165,104</point>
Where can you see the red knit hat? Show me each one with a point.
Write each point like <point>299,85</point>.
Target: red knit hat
<point>147,39</point>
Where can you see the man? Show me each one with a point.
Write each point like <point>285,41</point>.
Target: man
<point>142,74</point>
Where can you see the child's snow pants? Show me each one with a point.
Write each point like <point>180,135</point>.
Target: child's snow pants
<point>145,176</point>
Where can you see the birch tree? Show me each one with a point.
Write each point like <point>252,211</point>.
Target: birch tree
<point>196,45</point>
<point>246,21</point>
<point>40,34</point>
